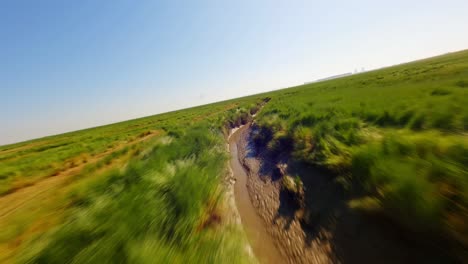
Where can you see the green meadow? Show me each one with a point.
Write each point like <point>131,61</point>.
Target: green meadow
<point>395,137</point>
<point>137,191</point>
<point>151,189</point>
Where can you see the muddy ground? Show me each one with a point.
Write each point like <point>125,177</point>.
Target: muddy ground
<point>338,234</point>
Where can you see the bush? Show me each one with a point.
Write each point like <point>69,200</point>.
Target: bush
<point>440,92</point>
<point>462,84</point>
<point>418,122</point>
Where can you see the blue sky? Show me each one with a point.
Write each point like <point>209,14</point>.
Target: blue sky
<point>67,65</point>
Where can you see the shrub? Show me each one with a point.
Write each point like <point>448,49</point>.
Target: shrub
<point>443,120</point>
<point>386,119</point>
<point>405,117</point>
<point>418,122</point>
<point>462,84</point>
<point>440,92</point>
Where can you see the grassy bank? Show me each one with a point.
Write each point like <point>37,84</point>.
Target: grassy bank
<point>396,136</point>
<point>162,207</point>
<point>139,191</point>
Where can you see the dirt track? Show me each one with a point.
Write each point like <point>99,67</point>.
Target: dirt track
<point>37,203</point>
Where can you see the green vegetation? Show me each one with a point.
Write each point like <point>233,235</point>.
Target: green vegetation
<point>294,188</point>
<point>139,191</point>
<point>150,189</point>
<point>397,135</point>
<point>161,207</point>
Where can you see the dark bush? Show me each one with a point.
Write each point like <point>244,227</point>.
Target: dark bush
<point>405,117</point>
<point>462,84</point>
<point>418,122</point>
<point>440,92</point>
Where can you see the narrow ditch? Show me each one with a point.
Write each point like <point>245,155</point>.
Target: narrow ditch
<point>262,243</point>
<point>338,234</point>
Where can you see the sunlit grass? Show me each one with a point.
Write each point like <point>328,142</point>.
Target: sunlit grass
<point>167,167</point>
<point>149,190</point>
<point>399,132</point>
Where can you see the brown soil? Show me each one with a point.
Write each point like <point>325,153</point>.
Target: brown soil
<point>261,242</point>
<point>338,234</point>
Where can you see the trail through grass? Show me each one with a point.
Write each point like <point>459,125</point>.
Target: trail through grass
<point>395,138</point>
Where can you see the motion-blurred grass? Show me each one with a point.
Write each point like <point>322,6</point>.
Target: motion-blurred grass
<point>149,190</point>
<point>399,134</point>
<point>161,208</point>
<point>141,191</point>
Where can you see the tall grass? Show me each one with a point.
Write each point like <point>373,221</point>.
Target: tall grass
<point>420,180</point>
<point>399,133</point>
<point>164,206</point>
<point>159,209</point>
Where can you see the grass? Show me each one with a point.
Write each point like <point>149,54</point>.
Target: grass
<point>159,178</point>
<point>158,204</point>
<point>149,190</point>
<point>399,134</point>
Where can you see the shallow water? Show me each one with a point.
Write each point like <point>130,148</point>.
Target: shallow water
<point>260,240</point>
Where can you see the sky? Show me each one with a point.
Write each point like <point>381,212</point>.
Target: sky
<point>68,65</point>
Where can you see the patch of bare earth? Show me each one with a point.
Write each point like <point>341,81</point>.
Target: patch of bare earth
<point>335,233</point>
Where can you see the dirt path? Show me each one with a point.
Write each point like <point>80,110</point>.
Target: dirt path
<point>17,199</point>
<point>35,208</point>
<point>260,240</point>
<point>338,234</point>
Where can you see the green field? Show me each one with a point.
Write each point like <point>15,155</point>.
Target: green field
<point>108,193</point>
<point>150,189</point>
<point>399,132</point>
